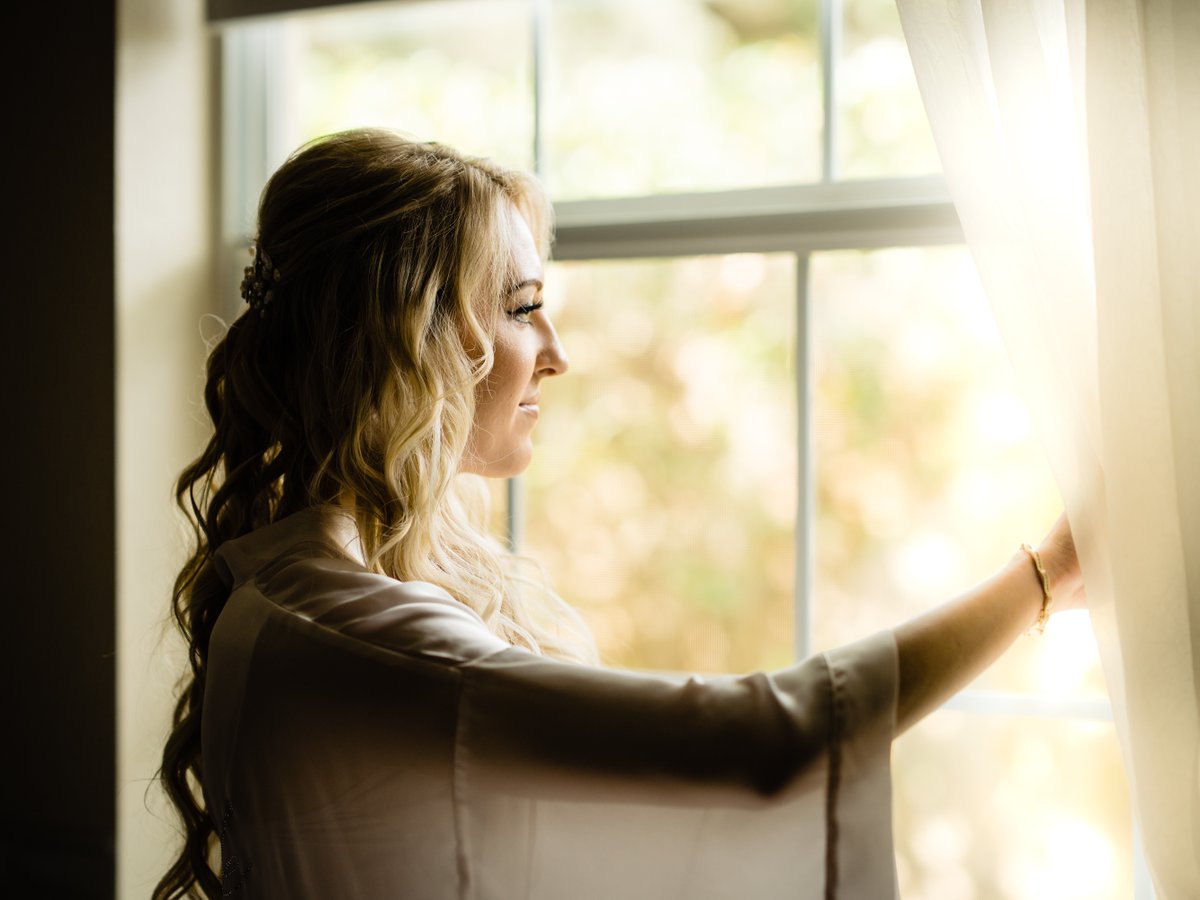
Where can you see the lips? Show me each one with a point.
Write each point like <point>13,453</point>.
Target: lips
<point>530,405</point>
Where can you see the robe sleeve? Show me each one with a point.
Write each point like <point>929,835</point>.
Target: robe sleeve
<point>370,738</point>
<point>767,785</point>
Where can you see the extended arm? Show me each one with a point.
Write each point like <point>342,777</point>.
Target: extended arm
<point>941,651</point>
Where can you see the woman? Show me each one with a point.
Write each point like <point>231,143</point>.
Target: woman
<point>380,705</point>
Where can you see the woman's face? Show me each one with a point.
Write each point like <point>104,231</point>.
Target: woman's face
<point>526,350</point>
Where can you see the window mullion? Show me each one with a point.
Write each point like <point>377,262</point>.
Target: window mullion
<point>805,561</point>
<point>541,57</point>
<point>514,513</point>
<point>898,212</point>
<point>1010,703</point>
<point>830,24</point>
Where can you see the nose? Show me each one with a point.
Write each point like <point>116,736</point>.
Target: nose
<point>552,360</point>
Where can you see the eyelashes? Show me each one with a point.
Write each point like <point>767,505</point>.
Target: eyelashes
<point>522,313</point>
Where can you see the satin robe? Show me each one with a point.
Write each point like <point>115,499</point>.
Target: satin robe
<point>370,738</point>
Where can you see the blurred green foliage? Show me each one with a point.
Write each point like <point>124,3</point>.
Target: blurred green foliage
<point>679,95</point>
<point>458,72</point>
<point>662,497</point>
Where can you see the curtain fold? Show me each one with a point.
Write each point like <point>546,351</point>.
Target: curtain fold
<point>1069,131</point>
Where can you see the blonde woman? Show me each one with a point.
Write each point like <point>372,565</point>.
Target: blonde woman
<point>379,704</point>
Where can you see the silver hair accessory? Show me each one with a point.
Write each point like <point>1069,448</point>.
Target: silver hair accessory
<point>261,278</point>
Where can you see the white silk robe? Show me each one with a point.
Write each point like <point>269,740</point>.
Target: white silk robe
<point>370,738</point>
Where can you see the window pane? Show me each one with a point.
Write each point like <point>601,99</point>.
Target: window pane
<point>455,72</point>
<point>928,471</point>
<point>1011,807</point>
<point>882,128</point>
<point>679,95</point>
<point>662,494</point>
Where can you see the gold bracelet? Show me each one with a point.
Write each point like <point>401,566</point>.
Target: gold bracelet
<point>1039,626</point>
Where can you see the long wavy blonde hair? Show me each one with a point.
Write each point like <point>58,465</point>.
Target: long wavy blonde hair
<point>355,388</point>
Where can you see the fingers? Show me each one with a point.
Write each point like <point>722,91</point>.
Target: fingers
<point>1062,565</point>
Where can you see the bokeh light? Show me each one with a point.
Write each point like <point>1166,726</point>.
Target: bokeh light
<point>1011,808</point>
<point>457,72</point>
<point>663,491</point>
<point>928,471</point>
<point>882,128</point>
<point>681,95</point>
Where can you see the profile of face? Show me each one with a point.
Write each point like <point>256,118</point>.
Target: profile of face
<point>526,350</point>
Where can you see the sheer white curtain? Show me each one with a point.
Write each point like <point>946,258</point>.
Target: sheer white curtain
<point>1069,131</point>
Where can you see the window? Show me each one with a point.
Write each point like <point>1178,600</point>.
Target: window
<point>664,496</point>
<point>789,421</point>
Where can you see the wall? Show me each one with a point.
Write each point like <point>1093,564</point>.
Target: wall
<point>165,190</point>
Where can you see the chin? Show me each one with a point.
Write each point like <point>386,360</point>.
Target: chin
<point>508,466</point>
<point>513,466</point>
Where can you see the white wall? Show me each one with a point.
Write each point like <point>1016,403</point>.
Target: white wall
<point>165,190</point>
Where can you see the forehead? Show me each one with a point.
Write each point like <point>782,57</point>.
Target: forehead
<point>526,262</point>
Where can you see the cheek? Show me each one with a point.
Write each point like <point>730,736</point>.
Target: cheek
<point>512,367</point>
<point>500,428</point>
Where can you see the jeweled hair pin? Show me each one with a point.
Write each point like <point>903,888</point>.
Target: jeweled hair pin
<point>261,278</point>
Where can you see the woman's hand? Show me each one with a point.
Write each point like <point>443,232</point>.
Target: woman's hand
<point>1057,550</point>
<point>942,650</point>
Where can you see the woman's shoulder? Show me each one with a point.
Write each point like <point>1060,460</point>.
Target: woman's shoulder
<point>309,567</point>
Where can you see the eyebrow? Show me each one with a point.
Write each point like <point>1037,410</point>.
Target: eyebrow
<point>528,282</point>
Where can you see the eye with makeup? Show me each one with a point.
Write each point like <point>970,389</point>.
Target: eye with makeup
<point>529,291</point>
<point>522,313</point>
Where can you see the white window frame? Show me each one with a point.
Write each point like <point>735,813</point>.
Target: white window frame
<point>800,219</point>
